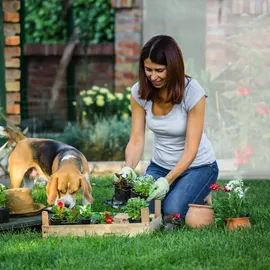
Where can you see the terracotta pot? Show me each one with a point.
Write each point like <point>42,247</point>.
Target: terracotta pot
<point>235,223</point>
<point>199,215</point>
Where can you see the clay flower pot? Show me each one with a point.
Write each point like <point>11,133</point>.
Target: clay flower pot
<point>236,223</point>
<point>199,215</point>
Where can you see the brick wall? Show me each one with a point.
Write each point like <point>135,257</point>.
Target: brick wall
<point>12,58</point>
<point>128,36</point>
<point>42,64</point>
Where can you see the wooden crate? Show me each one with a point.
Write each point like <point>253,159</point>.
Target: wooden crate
<point>129,229</point>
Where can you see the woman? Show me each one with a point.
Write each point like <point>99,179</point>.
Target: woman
<point>172,105</point>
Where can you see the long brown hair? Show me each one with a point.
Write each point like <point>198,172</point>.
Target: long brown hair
<point>163,50</point>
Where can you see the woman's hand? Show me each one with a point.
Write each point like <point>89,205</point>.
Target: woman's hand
<point>159,189</point>
<point>127,173</point>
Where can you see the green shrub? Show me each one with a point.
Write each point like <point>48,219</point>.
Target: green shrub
<point>104,140</point>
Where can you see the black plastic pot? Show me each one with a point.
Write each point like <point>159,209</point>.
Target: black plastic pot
<point>85,221</point>
<point>136,195</point>
<point>130,220</point>
<point>4,215</point>
<point>122,195</point>
<point>55,221</point>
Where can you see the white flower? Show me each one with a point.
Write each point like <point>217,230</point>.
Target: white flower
<point>128,88</point>
<point>129,107</point>
<point>119,96</point>
<point>100,102</point>
<point>88,101</point>
<point>110,96</point>
<point>95,88</point>
<point>82,92</point>
<point>125,116</point>
<point>128,96</point>
<point>103,90</point>
<point>100,97</point>
<point>84,113</point>
<point>90,92</point>
<point>74,103</point>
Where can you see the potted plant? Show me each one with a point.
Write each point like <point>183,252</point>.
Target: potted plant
<point>142,186</point>
<point>172,222</point>
<point>133,208</point>
<point>122,187</point>
<point>4,211</point>
<point>58,214</point>
<point>86,213</point>
<point>230,204</point>
<point>72,216</point>
<point>101,218</point>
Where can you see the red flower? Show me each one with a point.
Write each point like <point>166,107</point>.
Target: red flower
<point>215,187</point>
<point>249,151</point>
<point>124,220</point>
<point>246,91</point>
<point>225,189</point>
<point>238,161</point>
<point>240,92</point>
<point>243,91</point>
<point>72,210</point>
<point>261,110</point>
<point>177,216</point>
<point>60,204</point>
<point>109,220</point>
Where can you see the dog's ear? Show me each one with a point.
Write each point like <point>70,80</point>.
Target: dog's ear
<point>87,190</point>
<point>51,189</point>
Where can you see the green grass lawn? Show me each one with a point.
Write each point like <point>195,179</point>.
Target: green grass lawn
<point>186,248</point>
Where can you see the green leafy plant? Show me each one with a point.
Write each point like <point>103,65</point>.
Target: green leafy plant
<point>3,199</point>
<point>59,211</point>
<point>230,201</point>
<point>133,207</point>
<point>93,18</point>
<point>86,211</point>
<point>101,218</point>
<point>73,215</point>
<point>142,184</point>
<point>42,23</point>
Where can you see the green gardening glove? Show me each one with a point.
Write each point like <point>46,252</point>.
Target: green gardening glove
<point>159,189</point>
<point>127,173</point>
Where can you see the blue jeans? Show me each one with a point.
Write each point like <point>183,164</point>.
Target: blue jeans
<point>192,186</point>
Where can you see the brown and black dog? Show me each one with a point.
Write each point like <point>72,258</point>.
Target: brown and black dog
<point>65,168</point>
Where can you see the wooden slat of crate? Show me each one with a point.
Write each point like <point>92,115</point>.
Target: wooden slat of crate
<point>130,229</point>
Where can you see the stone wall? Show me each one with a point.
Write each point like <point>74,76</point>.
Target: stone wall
<point>12,59</point>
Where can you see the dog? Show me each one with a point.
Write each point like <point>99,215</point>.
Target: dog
<point>63,166</point>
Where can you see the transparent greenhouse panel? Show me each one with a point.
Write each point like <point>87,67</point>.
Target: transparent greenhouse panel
<point>226,49</point>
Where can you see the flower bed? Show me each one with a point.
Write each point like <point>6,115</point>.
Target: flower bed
<point>120,225</point>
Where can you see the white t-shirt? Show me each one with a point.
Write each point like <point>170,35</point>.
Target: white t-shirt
<point>169,131</point>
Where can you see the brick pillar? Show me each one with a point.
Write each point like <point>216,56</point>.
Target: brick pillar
<point>128,36</point>
<point>12,59</point>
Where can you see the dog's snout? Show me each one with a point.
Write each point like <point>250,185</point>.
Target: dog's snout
<point>67,204</point>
